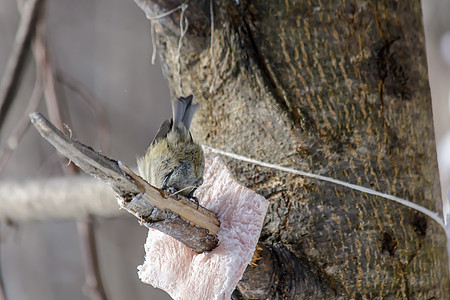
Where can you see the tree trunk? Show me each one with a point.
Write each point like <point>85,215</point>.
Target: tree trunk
<point>337,88</point>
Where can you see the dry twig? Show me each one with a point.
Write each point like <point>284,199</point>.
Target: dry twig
<point>94,284</point>
<point>98,111</point>
<point>21,127</point>
<point>10,79</point>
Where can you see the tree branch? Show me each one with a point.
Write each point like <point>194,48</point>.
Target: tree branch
<point>10,79</point>
<point>94,283</point>
<point>56,198</point>
<point>196,227</point>
<point>104,132</point>
<point>22,125</point>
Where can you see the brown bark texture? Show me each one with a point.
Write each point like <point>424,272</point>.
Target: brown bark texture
<point>336,88</point>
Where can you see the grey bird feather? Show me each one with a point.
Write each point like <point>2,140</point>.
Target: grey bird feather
<point>183,111</point>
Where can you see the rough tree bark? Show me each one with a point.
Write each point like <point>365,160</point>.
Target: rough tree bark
<point>337,88</point>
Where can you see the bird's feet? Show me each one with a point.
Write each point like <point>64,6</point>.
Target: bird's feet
<point>173,191</point>
<point>195,199</point>
<point>192,197</point>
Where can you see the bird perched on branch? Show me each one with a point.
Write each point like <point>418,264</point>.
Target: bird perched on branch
<point>173,161</point>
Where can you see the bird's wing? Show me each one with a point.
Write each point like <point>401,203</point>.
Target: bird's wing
<point>163,131</point>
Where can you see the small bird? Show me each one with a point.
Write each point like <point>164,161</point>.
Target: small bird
<point>173,161</point>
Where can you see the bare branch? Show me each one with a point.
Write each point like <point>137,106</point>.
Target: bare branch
<point>98,111</point>
<point>54,104</point>
<point>94,283</point>
<point>10,79</point>
<point>42,56</point>
<point>22,125</point>
<point>56,198</point>
<point>196,227</point>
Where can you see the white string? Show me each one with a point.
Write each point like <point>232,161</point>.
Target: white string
<point>183,31</point>
<point>165,14</point>
<point>153,33</point>
<point>402,201</point>
<point>152,26</point>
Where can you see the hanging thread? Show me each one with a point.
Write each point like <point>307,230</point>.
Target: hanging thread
<point>182,7</point>
<point>183,30</point>
<point>362,189</point>
<point>359,188</point>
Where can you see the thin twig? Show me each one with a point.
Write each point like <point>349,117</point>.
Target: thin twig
<point>94,284</point>
<point>21,127</point>
<point>16,61</point>
<point>42,57</point>
<point>2,293</point>
<point>97,110</point>
<point>2,282</point>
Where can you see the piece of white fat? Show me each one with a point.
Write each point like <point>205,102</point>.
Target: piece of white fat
<point>184,274</point>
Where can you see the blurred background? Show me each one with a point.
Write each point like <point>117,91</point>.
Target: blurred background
<point>104,47</point>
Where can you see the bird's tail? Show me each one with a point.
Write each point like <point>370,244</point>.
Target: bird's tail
<point>183,111</point>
